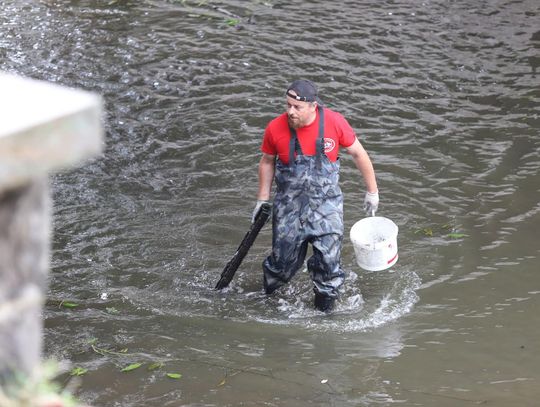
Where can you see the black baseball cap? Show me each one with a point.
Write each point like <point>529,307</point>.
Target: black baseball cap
<point>305,90</point>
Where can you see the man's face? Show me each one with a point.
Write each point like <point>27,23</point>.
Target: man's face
<point>300,114</point>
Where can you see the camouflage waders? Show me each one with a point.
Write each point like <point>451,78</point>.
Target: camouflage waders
<point>308,208</point>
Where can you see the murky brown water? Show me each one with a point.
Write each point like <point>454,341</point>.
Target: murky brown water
<point>446,98</point>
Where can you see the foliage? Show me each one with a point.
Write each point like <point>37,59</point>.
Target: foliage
<point>131,367</point>
<point>68,304</point>
<point>448,229</point>
<point>37,390</point>
<point>122,354</point>
<point>78,371</point>
<point>155,366</point>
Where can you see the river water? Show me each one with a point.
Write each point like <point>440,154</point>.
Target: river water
<point>445,96</point>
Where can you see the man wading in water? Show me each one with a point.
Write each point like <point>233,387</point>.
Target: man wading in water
<point>300,151</point>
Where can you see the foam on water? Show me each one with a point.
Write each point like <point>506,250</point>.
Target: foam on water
<point>352,313</point>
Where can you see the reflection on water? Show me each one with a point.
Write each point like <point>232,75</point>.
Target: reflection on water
<point>445,96</point>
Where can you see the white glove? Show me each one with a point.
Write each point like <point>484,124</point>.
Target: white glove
<point>260,202</point>
<point>371,203</point>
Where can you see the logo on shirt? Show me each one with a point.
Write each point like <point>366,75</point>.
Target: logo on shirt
<point>329,145</point>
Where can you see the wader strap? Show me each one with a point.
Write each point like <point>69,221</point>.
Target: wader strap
<point>294,144</point>
<point>319,145</point>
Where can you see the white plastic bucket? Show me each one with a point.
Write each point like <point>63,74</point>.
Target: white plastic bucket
<point>375,243</point>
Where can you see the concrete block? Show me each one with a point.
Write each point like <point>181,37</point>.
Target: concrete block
<point>45,128</point>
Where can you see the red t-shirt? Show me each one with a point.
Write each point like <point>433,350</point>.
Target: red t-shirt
<point>337,132</point>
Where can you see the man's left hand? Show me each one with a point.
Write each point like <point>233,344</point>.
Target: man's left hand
<point>371,203</point>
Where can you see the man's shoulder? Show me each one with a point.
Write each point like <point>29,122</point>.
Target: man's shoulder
<point>339,127</point>
<point>278,120</point>
<point>333,115</point>
<point>278,123</point>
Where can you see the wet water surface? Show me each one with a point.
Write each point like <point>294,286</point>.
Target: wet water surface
<point>444,95</point>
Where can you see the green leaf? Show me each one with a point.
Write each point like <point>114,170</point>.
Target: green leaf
<point>155,366</point>
<point>232,22</point>
<point>78,371</point>
<point>132,367</point>
<point>174,375</point>
<point>457,235</point>
<point>425,232</point>
<point>105,352</point>
<point>112,310</point>
<point>67,304</point>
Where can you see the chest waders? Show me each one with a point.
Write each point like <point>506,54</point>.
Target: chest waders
<point>308,208</point>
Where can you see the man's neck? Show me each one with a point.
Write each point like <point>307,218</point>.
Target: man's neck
<point>312,119</point>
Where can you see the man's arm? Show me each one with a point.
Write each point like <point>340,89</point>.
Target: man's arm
<point>266,176</point>
<point>363,163</point>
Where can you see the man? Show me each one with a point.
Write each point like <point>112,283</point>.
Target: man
<point>300,151</point>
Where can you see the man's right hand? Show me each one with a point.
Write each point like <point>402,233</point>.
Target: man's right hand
<point>258,205</point>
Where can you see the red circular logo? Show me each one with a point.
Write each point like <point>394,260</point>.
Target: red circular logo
<point>329,145</point>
